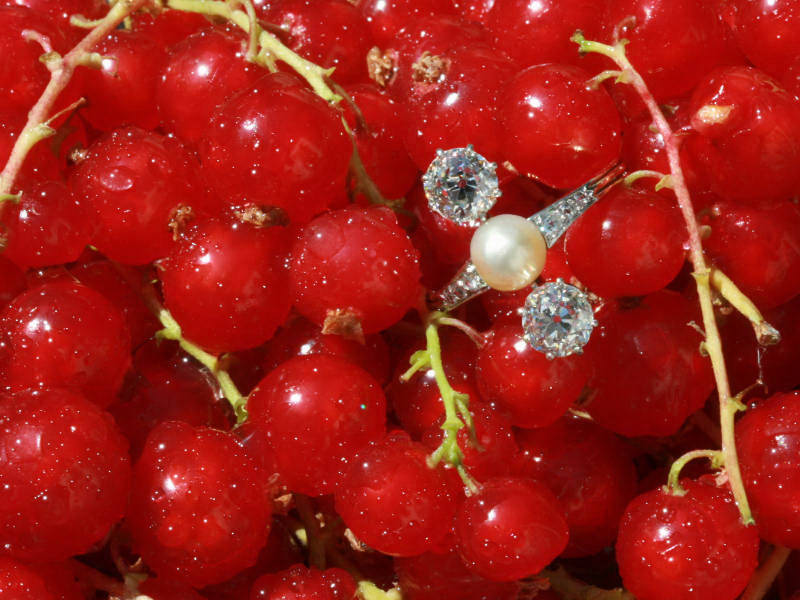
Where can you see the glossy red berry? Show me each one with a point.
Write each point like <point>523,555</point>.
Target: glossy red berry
<point>764,31</point>
<point>198,509</point>
<point>510,529</point>
<point>630,244</point>
<point>749,136</point>
<point>12,281</point>
<point>687,547</point>
<point>533,389</point>
<point>589,470</point>
<point>767,438</point>
<point>208,67</point>
<point>276,144</point>
<point>556,128</point>
<point>142,186</point>
<point>18,581</point>
<point>170,27</point>
<point>386,18</point>
<point>64,334</point>
<point>65,475</point>
<point>167,589</point>
<point>759,249</point>
<point>631,351</point>
<point>393,501</point>
<point>301,583</point>
<point>60,12</point>
<point>323,409</point>
<point>226,284</point>
<point>355,263</point>
<point>48,226</point>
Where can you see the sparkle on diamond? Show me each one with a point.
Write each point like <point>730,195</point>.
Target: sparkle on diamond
<point>557,319</point>
<point>461,185</point>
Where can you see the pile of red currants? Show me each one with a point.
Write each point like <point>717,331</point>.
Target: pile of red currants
<point>219,374</point>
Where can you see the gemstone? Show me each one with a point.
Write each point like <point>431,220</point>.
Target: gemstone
<point>557,319</point>
<point>461,185</point>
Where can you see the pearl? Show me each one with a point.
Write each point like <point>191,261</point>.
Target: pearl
<point>508,252</point>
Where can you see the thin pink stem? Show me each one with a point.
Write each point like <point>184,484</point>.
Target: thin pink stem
<point>763,578</point>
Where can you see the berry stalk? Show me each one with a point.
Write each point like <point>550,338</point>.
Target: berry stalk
<point>762,579</point>
<point>702,272</point>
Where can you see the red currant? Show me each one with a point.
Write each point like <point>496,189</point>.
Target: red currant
<point>301,583</point>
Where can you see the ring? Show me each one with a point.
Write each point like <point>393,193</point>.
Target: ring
<point>552,222</point>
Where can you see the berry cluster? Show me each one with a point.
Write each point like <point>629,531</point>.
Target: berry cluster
<point>220,379</point>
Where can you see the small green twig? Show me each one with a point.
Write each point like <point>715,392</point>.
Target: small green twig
<point>673,479</point>
<point>643,173</point>
<point>369,591</point>
<point>476,336</point>
<point>766,334</point>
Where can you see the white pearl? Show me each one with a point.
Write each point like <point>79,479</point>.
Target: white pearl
<point>508,252</point>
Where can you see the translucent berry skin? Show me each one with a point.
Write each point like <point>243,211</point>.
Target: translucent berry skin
<point>122,91</point>
<point>209,66</point>
<point>630,244</point>
<point>557,129</point>
<point>534,390</point>
<point>356,260</point>
<point>18,581</point>
<point>136,180</point>
<point>686,547</point>
<point>393,501</point>
<point>533,33</point>
<point>64,334</point>
<point>60,12</point>
<point>768,438</point>
<point>510,529</point>
<point>276,144</point>
<point>749,136</point>
<point>12,281</point>
<point>433,575</point>
<point>385,19</point>
<point>65,476</point>
<point>166,589</point>
<point>302,583</point>
<point>49,226</point>
<point>323,409</point>
<point>198,511</point>
<point>589,470</point>
<point>759,249</point>
<point>764,30</point>
<point>301,337</point>
<point>670,64</point>
<point>631,350</point>
<point>170,27</point>
<point>227,285</point>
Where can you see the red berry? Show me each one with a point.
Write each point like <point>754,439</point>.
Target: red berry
<point>323,409</point>
<point>167,589</point>
<point>523,381</point>
<point>170,26</point>
<point>591,473</point>
<point>59,12</point>
<point>208,67</point>
<point>510,529</point>
<point>629,244</point>
<point>386,18</point>
<point>301,583</point>
<point>226,284</point>
<point>139,183</point>
<point>393,501</point>
<point>768,437</point>
<point>686,547</point>
<point>749,142</point>
<point>556,128</point>
<point>357,261</point>
<point>198,509</point>
<point>64,334</point>
<point>12,281</point>
<point>759,249</point>
<point>65,475</point>
<point>18,582</point>
<point>276,144</point>
<point>48,226</point>
<point>632,351</point>
<point>764,30</point>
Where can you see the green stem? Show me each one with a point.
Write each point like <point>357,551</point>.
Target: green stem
<point>637,175</point>
<point>673,479</point>
<point>369,591</point>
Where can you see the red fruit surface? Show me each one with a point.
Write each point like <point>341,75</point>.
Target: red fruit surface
<point>556,128</point>
<point>591,473</point>
<point>768,437</point>
<point>64,334</point>
<point>59,12</point>
<point>301,583</point>
<point>510,529</point>
<point>18,582</point>
<point>65,476</point>
<point>392,501</point>
<point>323,409</point>
<point>227,285</point>
<point>385,18</point>
<point>12,281</point>
<point>276,144</point>
<point>198,509</point>
<point>765,31</point>
<point>686,547</point>
<point>356,260</point>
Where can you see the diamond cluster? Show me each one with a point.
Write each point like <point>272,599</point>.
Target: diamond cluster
<point>461,185</point>
<point>557,319</point>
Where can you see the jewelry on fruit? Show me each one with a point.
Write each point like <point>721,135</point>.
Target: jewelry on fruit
<point>507,252</point>
<point>461,185</point>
